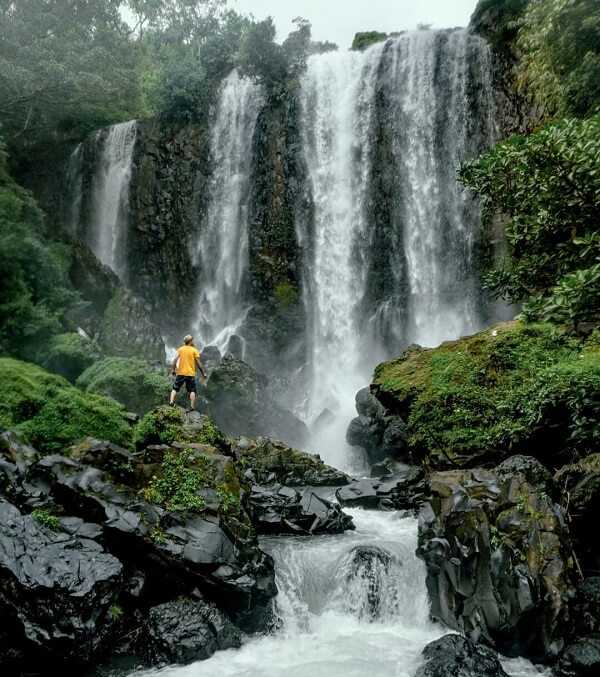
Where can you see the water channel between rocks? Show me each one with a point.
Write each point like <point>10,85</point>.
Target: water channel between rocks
<point>341,614</point>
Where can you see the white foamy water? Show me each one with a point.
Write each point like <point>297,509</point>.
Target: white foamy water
<point>325,628</point>
<point>223,246</point>
<point>107,233</point>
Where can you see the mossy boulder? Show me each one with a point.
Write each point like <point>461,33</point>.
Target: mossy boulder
<point>166,425</point>
<point>52,414</point>
<point>132,381</point>
<point>512,389</point>
<point>270,461</point>
<point>70,354</point>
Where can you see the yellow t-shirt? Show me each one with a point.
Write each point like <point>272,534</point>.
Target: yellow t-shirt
<point>186,365</point>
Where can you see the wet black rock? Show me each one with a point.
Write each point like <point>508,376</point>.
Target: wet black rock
<point>530,468</point>
<point>177,551</point>
<point>368,567</point>
<point>186,630</point>
<point>56,591</point>
<point>211,358</point>
<point>271,462</point>
<point>283,510</point>
<point>499,561</point>
<point>580,659</point>
<point>455,656</point>
<point>378,432</point>
<point>404,490</point>
<point>15,458</point>
<point>586,608</point>
<point>241,404</point>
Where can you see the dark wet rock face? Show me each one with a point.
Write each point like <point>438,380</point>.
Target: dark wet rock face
<point>378,432</point>
<point>366,571</point>
<point>56,590</point>
<point>530,469</point>
<point>268,462</point>
<point>179,551</point>
<point>455,656</point>
<point>580,659</point>
<point>186,630</point>
<point>499,561</point>
<point>404,490</point>
<point>284,510</point>
<point>241,404</point>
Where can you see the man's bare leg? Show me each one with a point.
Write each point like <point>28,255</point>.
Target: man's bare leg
<point>193,400</point>
<point>173,396</point>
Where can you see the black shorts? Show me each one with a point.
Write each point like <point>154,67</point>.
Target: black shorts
<point>190,383</point>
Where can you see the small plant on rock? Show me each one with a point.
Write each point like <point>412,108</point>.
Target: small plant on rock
<point>46,519</point>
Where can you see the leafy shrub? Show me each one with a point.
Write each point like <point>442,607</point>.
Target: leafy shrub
<point>131,381</point>
<point>46,519</point>
<point>364,40</point>
<point>548,186</point>
<point>51,413</point>
<point>163,425</point>
<point>512,389</point>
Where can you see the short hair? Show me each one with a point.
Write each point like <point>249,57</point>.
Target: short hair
<point>188,339</point>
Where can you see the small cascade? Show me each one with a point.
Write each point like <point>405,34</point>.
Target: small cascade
<point>223,249</point>
<point>106,233</point>
<point>74,178</point>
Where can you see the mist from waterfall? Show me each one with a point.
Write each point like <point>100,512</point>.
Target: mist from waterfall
<point>420,89</point>
<point>222,254</point>
<point>107,231</point>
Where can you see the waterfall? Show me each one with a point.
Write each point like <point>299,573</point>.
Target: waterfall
<point>106,233</point>
<point>74,177</point>
<point>391,259</point>
<point>223,247</point>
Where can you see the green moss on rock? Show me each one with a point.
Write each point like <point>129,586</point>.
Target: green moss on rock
<point>70,354</point>
<point>51,413</point>
<point>365,39</point>
<point>514,388</point>
<point>131,381</point>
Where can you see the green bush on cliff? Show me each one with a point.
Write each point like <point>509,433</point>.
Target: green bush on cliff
<point>51,413</point>
<point>364,40</point>
<point>165,425</point>
<point>511,389</point>
<point>548,185</point>
<point>133,382</point>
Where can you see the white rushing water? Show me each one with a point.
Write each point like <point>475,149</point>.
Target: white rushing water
<point>341,615</point>
<point>107,232</point>
<point>418,88</point>
<point>223,247</point>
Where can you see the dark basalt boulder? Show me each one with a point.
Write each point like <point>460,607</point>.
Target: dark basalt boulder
<point>366,571</point>
<point>585,610</point>
<point>271,462</point>
<point>211,358</point>
<point>530,468</point>
<point>580,659</point>
<point>184,631</point>
<point>499,561</point>
<point>456,656</point>
<point>405,490</point>
<point>578,485</point>
<point>177,551</point>
<point>241,404</point>
<point>15,459</point>
<point>283,510</point>
<point>378,432</point>
<point>56,591</point>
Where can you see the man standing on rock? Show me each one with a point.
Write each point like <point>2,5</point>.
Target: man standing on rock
<point>184,369</point>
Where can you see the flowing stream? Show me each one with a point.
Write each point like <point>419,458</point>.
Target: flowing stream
<point>348,606</point>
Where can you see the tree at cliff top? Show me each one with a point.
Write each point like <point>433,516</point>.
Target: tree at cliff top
<point>560,64</point>
<point>548,185</point>
<point>64,66</point>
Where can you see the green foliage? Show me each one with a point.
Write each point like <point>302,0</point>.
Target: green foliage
<point>229,501</point>
<point>286,294</point>
<point>69,355</point>
<point>35,293</point>
<point>64,66</point>
<point>46,519</point>
<point>548,185</point>
<point>177,486</point>
<point>131,381</point>
<point>364,40</point>
<point>498,20</point>
<point>115,612</point>
<point>51,413</point>
<point>511,389</point>
<point>160,426</point>
<point>260,57</point>
<point>560,45</point>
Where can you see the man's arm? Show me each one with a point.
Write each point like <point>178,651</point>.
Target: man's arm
<point>174,365</point>
<point>201,368</point>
